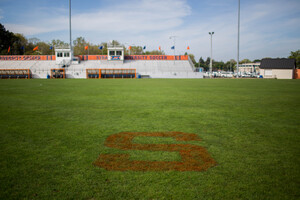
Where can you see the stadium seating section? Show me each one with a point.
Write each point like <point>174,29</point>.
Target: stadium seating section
<point>15,74</point>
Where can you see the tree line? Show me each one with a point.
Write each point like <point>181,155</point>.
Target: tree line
<point>17,44</point>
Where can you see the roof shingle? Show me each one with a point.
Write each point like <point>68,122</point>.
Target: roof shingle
<point>278,63</point>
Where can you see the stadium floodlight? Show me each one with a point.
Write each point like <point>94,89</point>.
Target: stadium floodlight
<point>238,42</point>
<point>210,65</point>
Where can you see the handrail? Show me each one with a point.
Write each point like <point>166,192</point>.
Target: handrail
<point>192,64</point>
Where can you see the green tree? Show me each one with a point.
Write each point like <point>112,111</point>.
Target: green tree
<point>256,60</point>
<point>245,61</point>
<point>154,52</point>
<point>192,57</point>
<point>7,39</point>
<point>296,55</point>
<point>135,50</point>
<point>79,46</point>
<point>230,65</point>
<point>202,64</point>
<point>20,45</point>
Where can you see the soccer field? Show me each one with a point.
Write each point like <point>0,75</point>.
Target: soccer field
<point>53,131</point>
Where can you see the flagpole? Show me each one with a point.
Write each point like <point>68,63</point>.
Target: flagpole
<point>238,42</point>
<point>70,29</point>
<point>174,40</point>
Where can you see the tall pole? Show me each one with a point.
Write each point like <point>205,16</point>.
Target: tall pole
<point>70,29</point>
<point>238,42</point>
<point>210,64</point>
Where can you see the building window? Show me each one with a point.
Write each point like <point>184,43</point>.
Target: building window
<point>59,54</point>
<point>111,53</point>
<point>119,53</point>
<point>67,54</point>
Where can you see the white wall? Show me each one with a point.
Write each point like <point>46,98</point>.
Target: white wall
<point>277,73</point>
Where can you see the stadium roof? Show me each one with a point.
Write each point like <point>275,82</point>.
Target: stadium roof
<point>278,63</point>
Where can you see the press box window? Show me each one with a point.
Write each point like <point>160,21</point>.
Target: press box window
<point>119,53</point>
<point>111,53</point>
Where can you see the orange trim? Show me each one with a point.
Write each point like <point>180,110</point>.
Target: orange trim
<point>60,70</point>
<point>87,73</point>
<point>27,71</point>
<point>123,71</point>
<point>28,57</point>
<point>297,74</point>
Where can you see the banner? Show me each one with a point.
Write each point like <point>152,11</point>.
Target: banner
<point>97,57</point>
<point>24,58</point>
<point>155,57</point>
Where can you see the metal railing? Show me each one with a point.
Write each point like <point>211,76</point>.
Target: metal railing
<point>192,64</point>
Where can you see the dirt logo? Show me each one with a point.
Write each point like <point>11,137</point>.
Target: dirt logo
<point>193,157</point>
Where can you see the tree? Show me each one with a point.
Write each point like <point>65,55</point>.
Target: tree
<point>257,61</point>
<point>296,55</point>
<point>230,65</point>
<point>79,46</point>
<point>135,50</point>
<point>154,52</point>
<point>245,61</point>
<point>7,39</point>
<point>192,57</point>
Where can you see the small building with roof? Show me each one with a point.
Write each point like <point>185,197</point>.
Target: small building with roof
<point>281,68</point>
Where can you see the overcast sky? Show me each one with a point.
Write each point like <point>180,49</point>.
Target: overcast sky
<point>269,28</point>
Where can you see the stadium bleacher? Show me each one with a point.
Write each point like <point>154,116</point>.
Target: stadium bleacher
<point>144,68</point>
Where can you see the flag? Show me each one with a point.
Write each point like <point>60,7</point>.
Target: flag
<point>101,47</point>
<point>188,48</point>
<point>144,47</point>
<point>51,47</point>
<point>129,47</point>
<point>159,48</point>
<point>173,47</point>
<point>86,47</point>
<point>35,48</point>
<point>8,50</point>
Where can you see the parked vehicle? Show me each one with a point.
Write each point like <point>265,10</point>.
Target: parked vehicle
<point>226,74</point>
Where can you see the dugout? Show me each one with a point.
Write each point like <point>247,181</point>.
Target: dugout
<point>15,74</point>
<point>110,73</point>
<point>58,73</point>
<point>92,73</point>
<point>118,73</point>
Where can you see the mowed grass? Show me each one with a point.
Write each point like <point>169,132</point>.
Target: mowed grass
<point>51,132</point>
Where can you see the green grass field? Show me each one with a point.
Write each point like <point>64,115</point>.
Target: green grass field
<point>53,130</point>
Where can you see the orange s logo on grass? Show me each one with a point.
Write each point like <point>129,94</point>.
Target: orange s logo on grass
<point>194,157</point>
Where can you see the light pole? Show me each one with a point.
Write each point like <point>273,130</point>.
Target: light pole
<point>70,29</point>
<point>210,65</point>
<point>238,42</point>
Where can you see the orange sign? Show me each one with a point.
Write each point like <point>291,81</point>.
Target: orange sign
<point>98,57</point>
<point>155,57</point>
<point>24,58</point>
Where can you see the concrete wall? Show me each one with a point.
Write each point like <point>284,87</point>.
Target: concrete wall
<point>278,73</point>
